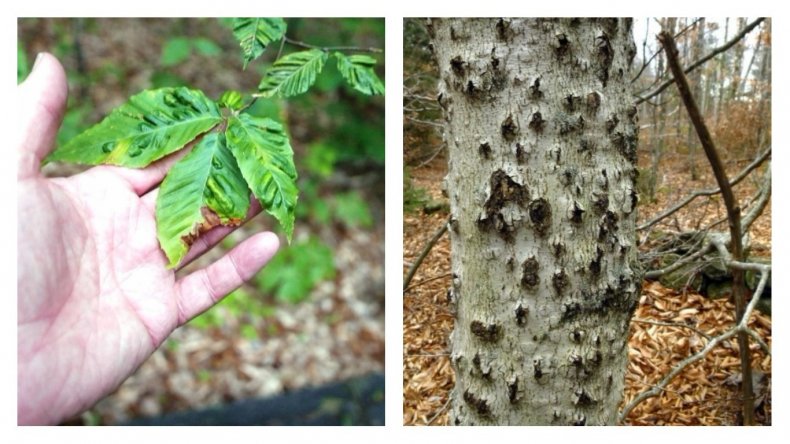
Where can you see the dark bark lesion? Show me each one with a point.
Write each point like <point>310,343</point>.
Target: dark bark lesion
<point>529,272</point>
<point>504,190</point>
<point>486,332</point>
<point>540,215</point>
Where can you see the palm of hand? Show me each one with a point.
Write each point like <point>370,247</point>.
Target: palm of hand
<point>96,283</point>
<point>95,298</point>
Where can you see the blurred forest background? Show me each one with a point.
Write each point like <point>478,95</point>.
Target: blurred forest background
<point>679,206</point>
<point>315,314</point>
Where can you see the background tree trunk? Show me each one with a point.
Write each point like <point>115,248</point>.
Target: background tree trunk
<point>542,136</point>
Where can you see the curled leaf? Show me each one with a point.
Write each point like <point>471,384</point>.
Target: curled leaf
<point>151,125</point>
<point>254,34</point>
<point>292,74</point>
<point>358,72</point>
<point>265,159</point>
<point>203,190</point>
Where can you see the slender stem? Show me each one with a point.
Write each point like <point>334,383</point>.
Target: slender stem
<point>435,238</point>
<point>331,48</point>
<point>672,324</point>
<point>733,214</point>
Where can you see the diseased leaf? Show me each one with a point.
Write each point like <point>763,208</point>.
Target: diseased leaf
<point>292,74</point>
<point>265,159</point>
<point>203,190</point>
<point>358,72</point>
<point>254,34</point>
<point>151,125</point>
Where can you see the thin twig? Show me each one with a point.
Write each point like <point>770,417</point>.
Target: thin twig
<point>762,201</point>
<point>709,192</point>
<point>441,410</point>
<point>441,276</point>
<point>701,61</point>
<point>654,274</point>
<point>331,48</point>
<point>425,250</point>
<point>673,324</point>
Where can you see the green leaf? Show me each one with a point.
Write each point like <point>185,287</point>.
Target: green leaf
<point>21,64</point>
<point>352,210</point>
<point>231,99</point>
<point>358,72</point>
<point>201,191</point>
<point>175,51</point>
<point>254,34</point>
<point>266,161</point>
<point>151,125</point>
<point>292,74</point>
<point>295,271</point>
<point>206,47</point>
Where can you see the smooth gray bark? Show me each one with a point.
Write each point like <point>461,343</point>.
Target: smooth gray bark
<point>542,134</point>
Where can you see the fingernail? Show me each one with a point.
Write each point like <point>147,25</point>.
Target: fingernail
<point>39,56</point>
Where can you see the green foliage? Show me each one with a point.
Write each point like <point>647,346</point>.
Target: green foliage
<point>231,99</point>
<point>207,187</point>
<point>265,158</point>
<point>352,210</point>
<point>295,271</point>
<point>175,51</point>
<point>320,159</point>
<point>358,72</point>
<point>292,74</point>
<point>151,125</point>
<point>202,190</point>
<point>206,47</point>
<point>178,49</point>
<point>21,64</point>
<point>234,153</point>
<point>254,34</point>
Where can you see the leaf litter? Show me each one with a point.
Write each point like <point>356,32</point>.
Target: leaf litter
<point>705,393</point>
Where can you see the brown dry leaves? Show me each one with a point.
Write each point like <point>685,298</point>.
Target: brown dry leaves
<point>706,393</point>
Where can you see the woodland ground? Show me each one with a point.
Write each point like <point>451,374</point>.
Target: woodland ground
<point>706,393</point>
<point>255,346</point>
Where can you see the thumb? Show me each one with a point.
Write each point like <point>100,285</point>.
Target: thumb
<point>42,100</point>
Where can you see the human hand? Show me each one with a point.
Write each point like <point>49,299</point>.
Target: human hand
<point>94,296</point>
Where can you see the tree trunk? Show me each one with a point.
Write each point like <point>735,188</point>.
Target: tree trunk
<point>542,140</point>
<point>723,64</point>
<point>737,64</point>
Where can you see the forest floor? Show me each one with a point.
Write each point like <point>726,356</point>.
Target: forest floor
<point>706,393</point>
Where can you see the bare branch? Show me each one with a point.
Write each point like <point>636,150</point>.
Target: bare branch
<point>701,61</point>
<point>764,196</point>
<point>673,324</point>
<point>435,238</point>
<point>709,192</point>
<point>733,216</point>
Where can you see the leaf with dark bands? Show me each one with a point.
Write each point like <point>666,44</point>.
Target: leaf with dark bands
<point>151,125</point>
<point>265,159</point>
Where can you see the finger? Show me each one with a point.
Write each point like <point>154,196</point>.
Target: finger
<point>208,240</point>
<point>197,292</point>
<point>42,102</point>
